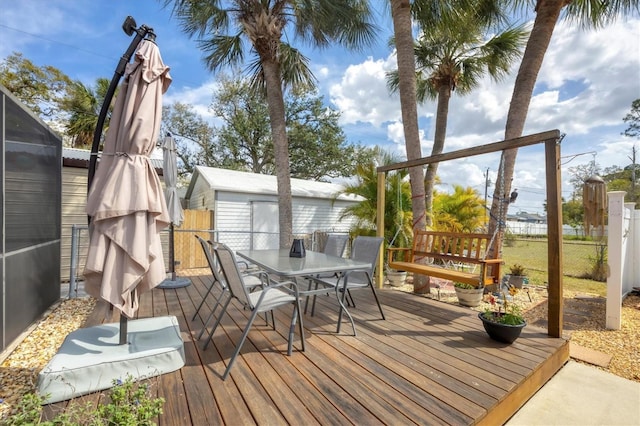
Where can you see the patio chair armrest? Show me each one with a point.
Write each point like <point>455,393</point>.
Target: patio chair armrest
<point>288,286</point>
<point>263,275</point>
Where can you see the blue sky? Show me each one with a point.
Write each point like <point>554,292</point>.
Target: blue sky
<point>585,87</point>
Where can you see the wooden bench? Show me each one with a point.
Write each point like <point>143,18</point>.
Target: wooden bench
<point>445,249</point>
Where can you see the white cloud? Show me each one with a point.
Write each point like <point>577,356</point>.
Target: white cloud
<point>362,95</point>
<point>585,87</point>
<point>198,97</point>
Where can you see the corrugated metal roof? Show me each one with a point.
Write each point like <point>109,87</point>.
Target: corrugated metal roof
<point>85,154</point>
<point>253,183</point>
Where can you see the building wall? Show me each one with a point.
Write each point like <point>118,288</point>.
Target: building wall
<point>202,197</point>
<point>232,213</point>
<point>74,201</point>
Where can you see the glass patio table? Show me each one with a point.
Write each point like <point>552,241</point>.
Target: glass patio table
<point>278,262</point>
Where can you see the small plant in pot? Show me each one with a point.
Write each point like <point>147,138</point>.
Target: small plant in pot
<point>503,321</point>
<point>468,294</point>
<point>517,275</point>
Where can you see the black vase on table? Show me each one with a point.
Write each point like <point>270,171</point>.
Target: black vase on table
<point>297,248</point>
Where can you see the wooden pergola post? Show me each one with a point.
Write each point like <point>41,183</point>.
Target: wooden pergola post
<point>380,227</point>
<point>554,237</point>
<point>551,139</point>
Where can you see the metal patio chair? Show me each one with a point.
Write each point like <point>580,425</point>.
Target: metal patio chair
<point>255,280</point>
<point>334,246</point>
<point>273,296</point>
<point>366,249</point>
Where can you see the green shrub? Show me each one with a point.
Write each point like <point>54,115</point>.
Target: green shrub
<point>509,239</point>
<point>130,405</point>
<point>598,264</point>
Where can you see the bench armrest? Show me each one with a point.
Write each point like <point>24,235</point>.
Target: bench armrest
<point>393,251</point>
<point>492,260</point>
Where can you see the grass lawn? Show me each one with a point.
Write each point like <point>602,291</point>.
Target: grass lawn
<point>532,254</point>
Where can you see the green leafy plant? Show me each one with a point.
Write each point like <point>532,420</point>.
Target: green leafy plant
<point>504,311</point>
<point>130,405</point>
<point>463,285</point>
<point>517,269</point>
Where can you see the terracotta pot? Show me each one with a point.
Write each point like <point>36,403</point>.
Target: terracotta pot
<point>469,296</point>
<point>505,333</point>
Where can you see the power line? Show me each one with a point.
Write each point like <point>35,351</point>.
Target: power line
<point>58,42</point>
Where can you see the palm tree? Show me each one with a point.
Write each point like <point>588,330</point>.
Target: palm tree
<point>83,104</point>
<point>401,12</point>
<point>587,13</point>
<point>261,25</point>
<point>454,56</point>
<point>398,218</point>
<point>462,211</point>
<point>403,36</point>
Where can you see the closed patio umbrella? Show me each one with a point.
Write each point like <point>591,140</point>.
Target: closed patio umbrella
<point>125,200</point>
<point>127,211</point>
<point>170,173</point>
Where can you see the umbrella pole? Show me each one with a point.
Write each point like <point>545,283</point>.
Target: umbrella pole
<point>123,329</point>
<point>172,261</point>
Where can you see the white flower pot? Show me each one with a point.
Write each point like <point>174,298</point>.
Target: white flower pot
<point>396,278</point>
<point>469,296</point>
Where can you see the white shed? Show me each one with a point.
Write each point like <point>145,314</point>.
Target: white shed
<point>245,206</point>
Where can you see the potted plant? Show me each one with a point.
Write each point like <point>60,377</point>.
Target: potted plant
<point>396,278</point>
<point>468,295</point>
<point>503,321</point>
<point>517,275</point>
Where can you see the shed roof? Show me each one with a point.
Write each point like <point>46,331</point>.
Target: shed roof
<point>254,183</point>
<point>74,157</point>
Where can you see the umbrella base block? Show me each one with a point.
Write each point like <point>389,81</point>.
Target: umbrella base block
<point>91,359</point>
<point>178,282</point>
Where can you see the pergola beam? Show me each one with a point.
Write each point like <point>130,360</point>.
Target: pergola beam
<point>551,139</point>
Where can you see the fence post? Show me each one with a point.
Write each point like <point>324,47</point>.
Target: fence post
<point>615,259</point>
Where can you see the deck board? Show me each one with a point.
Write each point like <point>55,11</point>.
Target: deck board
<point>427,363</point>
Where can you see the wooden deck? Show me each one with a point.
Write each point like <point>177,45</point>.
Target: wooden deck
<point>427,363</point>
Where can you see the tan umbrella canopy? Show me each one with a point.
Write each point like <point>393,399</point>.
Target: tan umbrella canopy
<point>126,201</point>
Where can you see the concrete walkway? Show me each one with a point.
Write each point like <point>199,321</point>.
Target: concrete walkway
<point>582,395</point>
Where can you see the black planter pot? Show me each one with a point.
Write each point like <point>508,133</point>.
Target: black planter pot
<point>505,333</point>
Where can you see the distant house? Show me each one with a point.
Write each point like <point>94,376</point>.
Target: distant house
<point>527,217</point>
<point>75,173</point>
<point>245,206</point>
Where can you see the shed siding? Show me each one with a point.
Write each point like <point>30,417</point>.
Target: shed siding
<point>74,201</point>
<point>311,214</point>
<point>202,197</point>
<point>233,216</point>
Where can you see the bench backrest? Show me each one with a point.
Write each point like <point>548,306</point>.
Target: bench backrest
<point>450,245</point>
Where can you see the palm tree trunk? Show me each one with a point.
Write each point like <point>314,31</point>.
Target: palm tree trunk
<point>275,100</point>
<point>444,96</point>
<point>547,15</point>
<point>401,14</point>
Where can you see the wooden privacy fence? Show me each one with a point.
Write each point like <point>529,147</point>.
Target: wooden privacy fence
<point>187,251</point>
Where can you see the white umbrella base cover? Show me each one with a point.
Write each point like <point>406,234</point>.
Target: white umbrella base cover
<point>90,359</point>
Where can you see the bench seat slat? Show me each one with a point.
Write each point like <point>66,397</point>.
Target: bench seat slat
<point>458,248</point>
